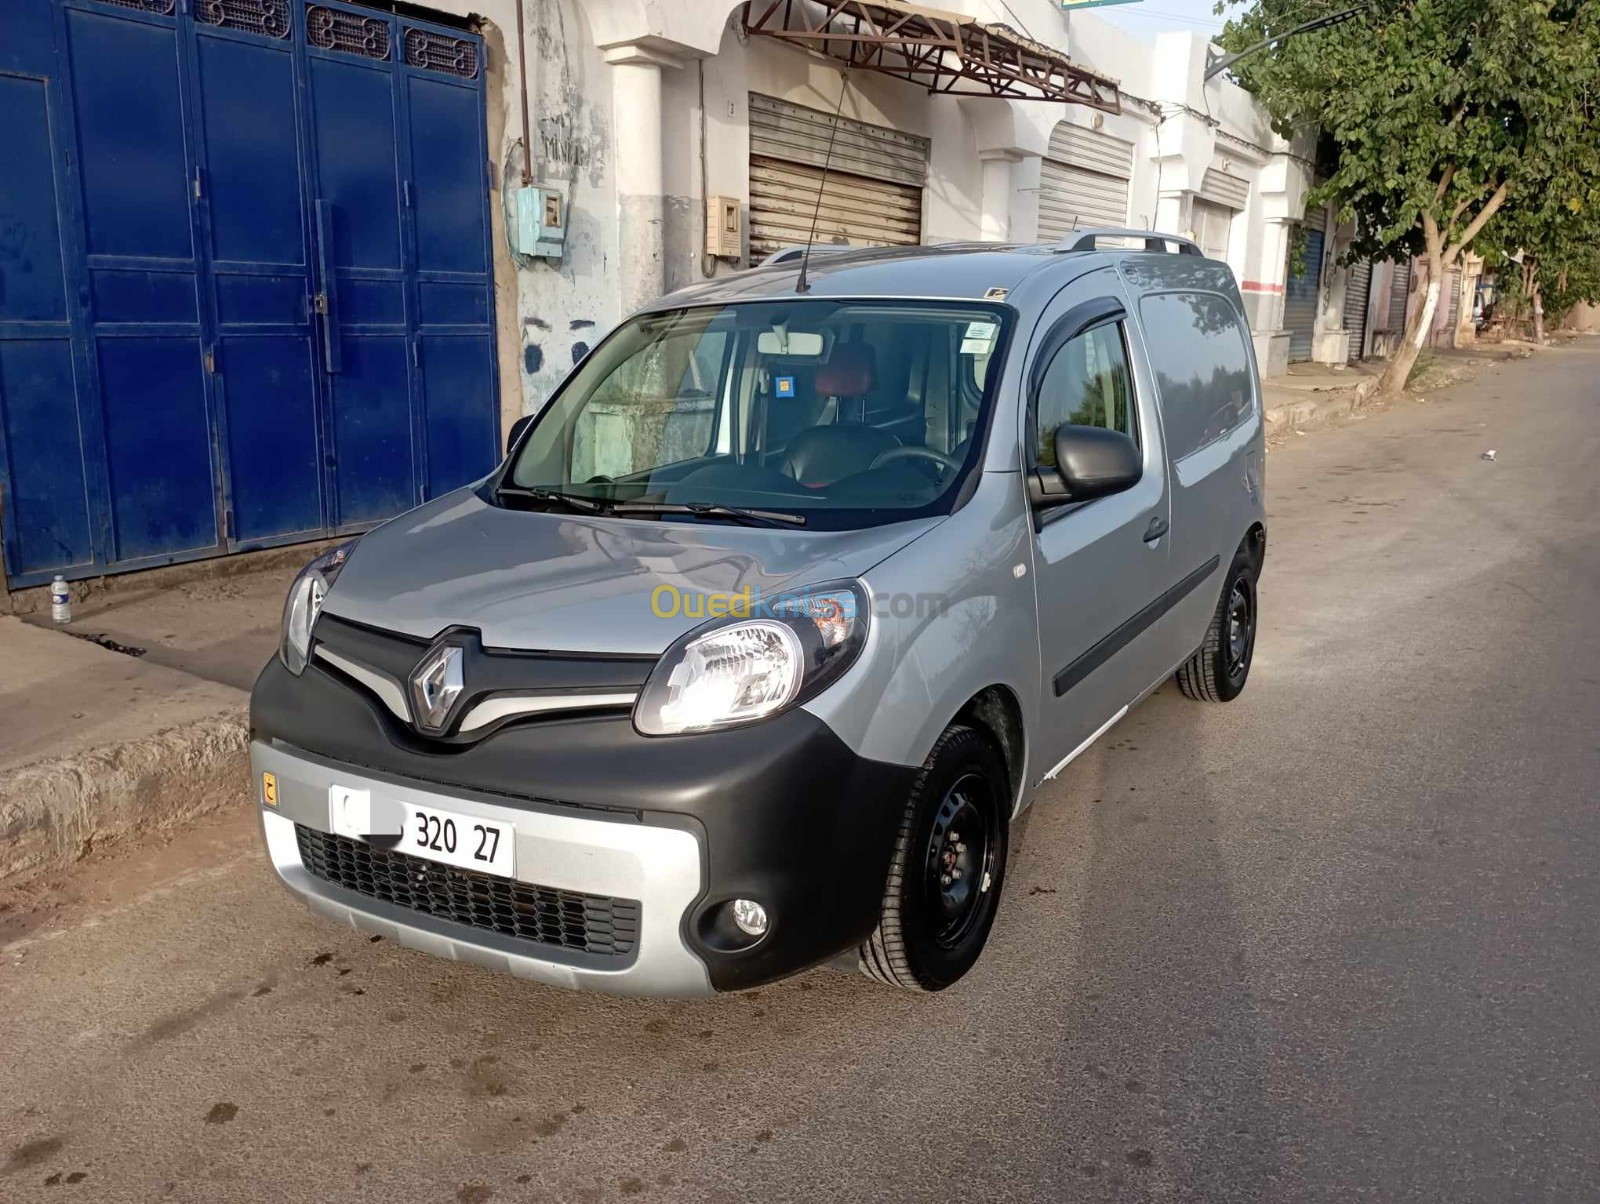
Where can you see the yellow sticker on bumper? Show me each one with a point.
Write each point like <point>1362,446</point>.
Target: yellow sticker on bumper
<point>269,789</point>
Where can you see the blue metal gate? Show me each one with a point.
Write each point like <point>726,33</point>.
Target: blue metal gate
<point>1300,298</point>
<point>245,286</point>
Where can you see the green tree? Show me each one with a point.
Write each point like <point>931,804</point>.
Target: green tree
<point>1441,117</point>
<point>1547,248</point>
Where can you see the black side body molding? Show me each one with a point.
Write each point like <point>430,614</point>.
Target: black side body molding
<point>1127,632</point>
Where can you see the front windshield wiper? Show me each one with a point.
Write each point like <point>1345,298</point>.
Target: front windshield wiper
<point>738,514</point>
<point>555,497</point>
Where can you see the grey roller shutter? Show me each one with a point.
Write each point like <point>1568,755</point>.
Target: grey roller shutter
<point>854,209</point>
<point>1083,181</point>
<point>1218,186</point>
<point>1399,285</point>
<point>1300,299</point>
<point>873,190</point>
<point>1357,285</point>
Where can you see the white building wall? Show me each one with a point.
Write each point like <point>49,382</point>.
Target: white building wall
<point>616,249</point>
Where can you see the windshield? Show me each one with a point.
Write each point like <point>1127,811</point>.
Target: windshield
<point>834,414</point>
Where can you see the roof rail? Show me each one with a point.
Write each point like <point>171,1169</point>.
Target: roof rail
<point>794,252</point>
<point>1089,240</point>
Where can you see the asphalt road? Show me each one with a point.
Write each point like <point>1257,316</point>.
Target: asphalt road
<point>1338,940</point>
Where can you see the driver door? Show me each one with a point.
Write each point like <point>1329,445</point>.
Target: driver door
<point>1101,566</point>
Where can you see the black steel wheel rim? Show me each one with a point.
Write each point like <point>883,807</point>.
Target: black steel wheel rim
<point>1241,627</point>
<point>959,870</point>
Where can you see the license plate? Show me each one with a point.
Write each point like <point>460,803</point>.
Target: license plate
<point>464,841</point>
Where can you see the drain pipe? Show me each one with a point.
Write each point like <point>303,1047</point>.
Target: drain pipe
<point>522,78</point>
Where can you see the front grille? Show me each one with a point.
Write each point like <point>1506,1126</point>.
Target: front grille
<point>541,914</point>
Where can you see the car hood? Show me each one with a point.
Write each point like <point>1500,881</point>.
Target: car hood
<point>579,583</point>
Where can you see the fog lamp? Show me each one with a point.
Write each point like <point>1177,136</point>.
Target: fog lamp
<point>750,916</point>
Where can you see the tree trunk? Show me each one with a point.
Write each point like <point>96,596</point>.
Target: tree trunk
<point>1417,328</point>
<point>1538,308</point>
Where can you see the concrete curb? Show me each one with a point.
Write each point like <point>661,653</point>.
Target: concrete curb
<point>1317,409</point>
<point>53,812</point>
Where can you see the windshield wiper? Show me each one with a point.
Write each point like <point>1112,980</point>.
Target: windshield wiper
<point>555,497</point>
<point>738,514</point>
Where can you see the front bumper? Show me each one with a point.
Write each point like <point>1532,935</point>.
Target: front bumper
<point>659,868</point>
<point>782,812</point>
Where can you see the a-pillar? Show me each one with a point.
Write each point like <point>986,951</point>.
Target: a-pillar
<point>641,205</point>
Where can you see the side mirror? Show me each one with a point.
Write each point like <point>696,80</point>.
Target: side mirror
<point>517,427</point>
<point>1091,462</point>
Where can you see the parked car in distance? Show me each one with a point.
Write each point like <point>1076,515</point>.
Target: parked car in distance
<point>771,623</point>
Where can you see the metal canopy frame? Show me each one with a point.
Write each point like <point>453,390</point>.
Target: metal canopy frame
<point>945,52</point>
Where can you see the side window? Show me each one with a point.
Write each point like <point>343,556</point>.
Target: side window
<point>1086,384</point>
<point>1202,366</point>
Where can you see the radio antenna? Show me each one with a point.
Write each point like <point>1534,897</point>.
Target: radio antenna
<point>802,285</point>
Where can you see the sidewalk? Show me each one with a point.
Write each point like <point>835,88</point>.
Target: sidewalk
<point>1310,395</point>
<point>138,724</point>
<point>1313,394</point>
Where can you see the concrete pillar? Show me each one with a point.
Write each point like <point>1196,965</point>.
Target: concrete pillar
<point>641,205</point>
<point>994,223</point>
<point>1263,299</point>
<point>1009,140</point>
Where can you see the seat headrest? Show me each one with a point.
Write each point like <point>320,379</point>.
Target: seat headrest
<point>850,371</point>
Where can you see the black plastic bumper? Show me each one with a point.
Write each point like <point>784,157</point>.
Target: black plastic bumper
<point>787,814</point>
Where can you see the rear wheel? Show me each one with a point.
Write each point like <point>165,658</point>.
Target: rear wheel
<point>1220,666</point>
<point>949,861</point>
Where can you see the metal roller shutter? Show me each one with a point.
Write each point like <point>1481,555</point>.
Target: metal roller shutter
<point>1357,286</point>
<point>872,195</point>
<point>1228,191</point>
<point>1300,299</point>
<point>1083,181</point>
<point>1399,291</point>
<point>854,209</point>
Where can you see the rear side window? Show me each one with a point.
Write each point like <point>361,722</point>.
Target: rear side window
<point>1086,384</point>
<point>1197,348</point>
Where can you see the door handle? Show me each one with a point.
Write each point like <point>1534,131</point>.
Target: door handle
<point>1157,528</point>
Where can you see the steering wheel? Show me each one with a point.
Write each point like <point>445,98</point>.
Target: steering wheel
<point>918,451</point>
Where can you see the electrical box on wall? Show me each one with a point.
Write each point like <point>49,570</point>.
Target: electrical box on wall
<point>724,227</point>
<point>540,229</point>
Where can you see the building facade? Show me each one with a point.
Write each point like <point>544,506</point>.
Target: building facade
<point>260,282</point>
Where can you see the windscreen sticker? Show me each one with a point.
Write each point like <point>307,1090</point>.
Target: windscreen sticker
<point>783,386</point>
<point>979,339</point>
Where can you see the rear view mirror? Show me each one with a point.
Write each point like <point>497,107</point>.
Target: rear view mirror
<point>801,344</point>
<point>517,427</point>
<point>1091,462</point>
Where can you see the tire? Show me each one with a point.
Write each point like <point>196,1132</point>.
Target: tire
<point>1218,669</point>
<point>935,921</point>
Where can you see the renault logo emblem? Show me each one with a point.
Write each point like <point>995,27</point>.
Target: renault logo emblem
<point>436,683</point>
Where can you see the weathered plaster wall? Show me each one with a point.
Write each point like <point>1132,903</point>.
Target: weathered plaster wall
<point>565,307</point>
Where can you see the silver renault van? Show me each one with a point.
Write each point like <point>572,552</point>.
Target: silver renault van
<point>771,623</point>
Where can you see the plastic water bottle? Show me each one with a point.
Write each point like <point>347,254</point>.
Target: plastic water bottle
<point>60,600</point>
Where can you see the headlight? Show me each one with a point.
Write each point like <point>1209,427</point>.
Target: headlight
<point>752,666</point>
<point>304,604</point>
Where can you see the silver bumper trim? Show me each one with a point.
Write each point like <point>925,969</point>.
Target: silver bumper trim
<point>658,866</point>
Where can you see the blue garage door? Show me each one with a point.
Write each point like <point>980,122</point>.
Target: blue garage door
<point>1300,298</point>
<point>245,291</point>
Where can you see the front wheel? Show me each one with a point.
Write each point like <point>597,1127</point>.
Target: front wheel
<point>949,862</point>
<point>1217,670</point>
